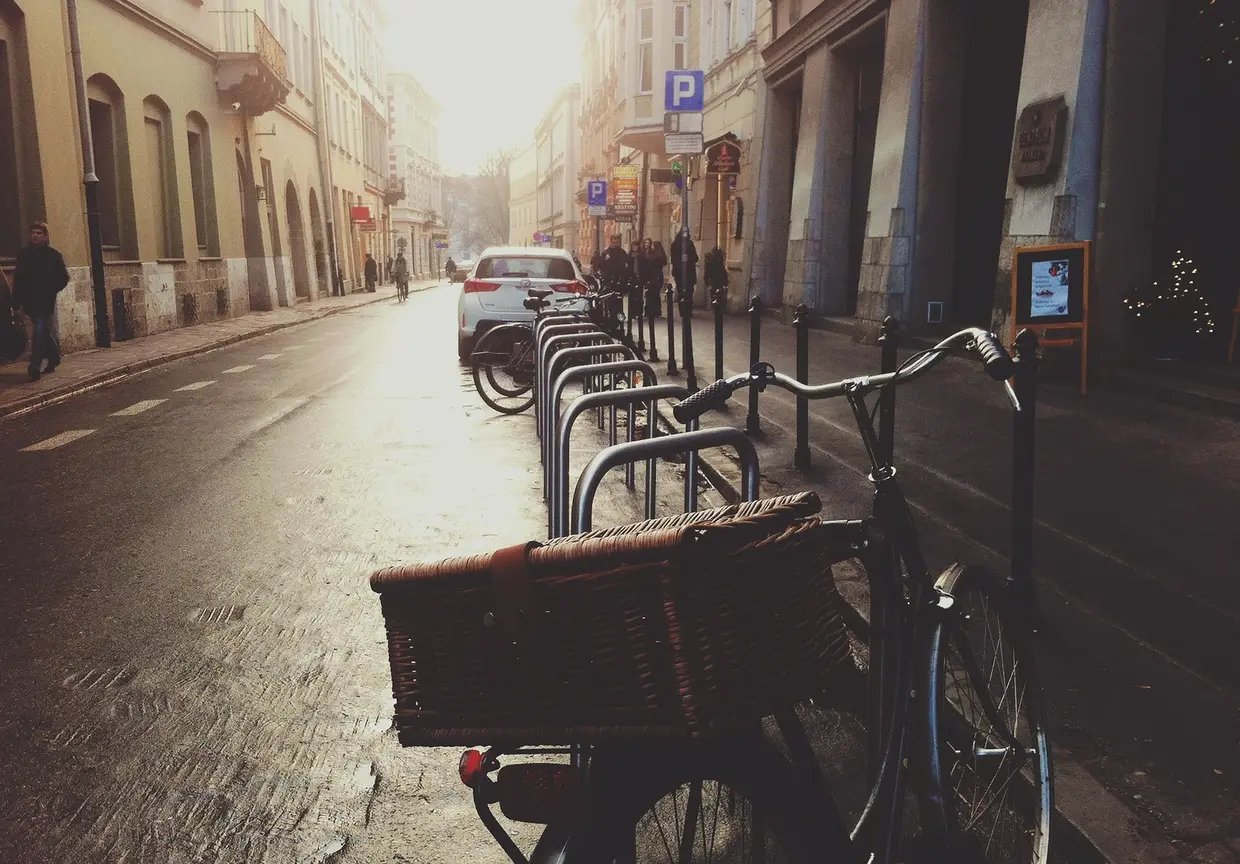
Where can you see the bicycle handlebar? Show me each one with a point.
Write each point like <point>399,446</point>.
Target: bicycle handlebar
<point>995,358</point>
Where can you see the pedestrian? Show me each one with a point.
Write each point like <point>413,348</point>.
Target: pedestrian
<point>387,270</point>
<point>400,272</point>
<point>372,273</point>
<point>616,266</point>
<point>649,277</point>
<point>449,268</point>
<point>653,298</point>
<point>685,281</point>
<point>715,273</point>
<point>40,274</point>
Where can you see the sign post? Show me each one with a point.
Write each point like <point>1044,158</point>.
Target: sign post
<point>1050,291</point>
<point>684,94</point>
<point>596,202</point>
<point>723,159</point>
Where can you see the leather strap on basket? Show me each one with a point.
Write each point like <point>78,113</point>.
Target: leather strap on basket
<point>513,588</point>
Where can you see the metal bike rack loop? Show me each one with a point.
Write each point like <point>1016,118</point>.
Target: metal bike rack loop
<point>614,368</point>
<point>648,396</point>
<point>637,451</point>
<point>597,352</point>
<point>543,378</point>
<point>545,332</point>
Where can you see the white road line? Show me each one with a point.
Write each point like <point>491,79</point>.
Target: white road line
<point>59,441</point>
<point>236,369</point>
<point>294,347</point>
<point>138,407</point>
<point>270,356</point>
<point>197,385</point>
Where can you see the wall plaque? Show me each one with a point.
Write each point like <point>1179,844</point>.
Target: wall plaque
<point>1040,134</point>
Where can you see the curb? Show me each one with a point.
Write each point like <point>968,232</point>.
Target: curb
<point>1090,825</point>
<point>102,379</point>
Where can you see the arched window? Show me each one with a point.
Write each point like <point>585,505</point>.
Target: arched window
<point>21,191</point>
<point>202,181</point>
<point>106,106</point>
<point>159,168</point>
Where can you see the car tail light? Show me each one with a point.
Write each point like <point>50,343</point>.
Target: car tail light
<point>476,286</point>
<point>569,287</point>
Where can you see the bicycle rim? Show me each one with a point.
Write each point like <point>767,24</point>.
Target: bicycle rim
<point>993,754</point>
<point>501,369</point>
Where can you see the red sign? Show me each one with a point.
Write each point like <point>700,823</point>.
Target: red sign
<point>361,215</point>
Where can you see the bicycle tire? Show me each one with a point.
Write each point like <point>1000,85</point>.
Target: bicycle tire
<point>965,739</point>
<point>492,342</point>
<point>629,781</point>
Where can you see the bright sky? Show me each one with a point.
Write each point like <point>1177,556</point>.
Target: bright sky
<point>493,65</point>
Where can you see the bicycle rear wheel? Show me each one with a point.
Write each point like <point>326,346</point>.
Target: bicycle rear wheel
<point>503,369</point>
<point>720,802</point>
<point>993,764</point>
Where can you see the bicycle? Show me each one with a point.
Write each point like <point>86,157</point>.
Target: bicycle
<point>503,363</point>
<point>402,289</point>
<point>923,714</point>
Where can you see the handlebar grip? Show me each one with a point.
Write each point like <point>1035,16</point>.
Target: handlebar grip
<point>712,397</point>
<point>994,356</point>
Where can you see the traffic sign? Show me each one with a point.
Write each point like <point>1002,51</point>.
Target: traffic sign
<point>441,245</point>
<point>685,90</point>
<point>673,122</point>
<point>689,143</point>
<point>596,193</point>
<point>401,242</point>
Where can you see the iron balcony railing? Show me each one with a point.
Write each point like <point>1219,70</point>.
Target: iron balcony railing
<point>245,33</point>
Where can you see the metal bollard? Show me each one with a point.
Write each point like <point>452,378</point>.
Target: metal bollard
<point>671,332</point>
<point>752,424</point>
<point>800,320</point>
<point>686,351</point>
<point>888,342</point>
<point>651,317</point>
<point>718,297</point>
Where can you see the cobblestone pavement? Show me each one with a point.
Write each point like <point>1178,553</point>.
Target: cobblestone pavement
<point>192,666</point>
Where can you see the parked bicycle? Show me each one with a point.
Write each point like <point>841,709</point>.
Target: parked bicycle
<point>952,707</point>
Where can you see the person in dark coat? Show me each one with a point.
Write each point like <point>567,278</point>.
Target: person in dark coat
<point>654,298</point>
<point>39,276</point>
<point>684,289</point>
<point>372,272</point>
<point>616,268</point>
<point>715,273</point>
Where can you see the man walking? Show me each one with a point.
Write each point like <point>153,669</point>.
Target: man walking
<point>372,273</point>
<point>39,276</point>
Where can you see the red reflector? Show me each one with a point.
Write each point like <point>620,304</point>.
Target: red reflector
<point>475,286</point>
<point>569,288</point>
<point>538,793</point>
<point>470,767</point>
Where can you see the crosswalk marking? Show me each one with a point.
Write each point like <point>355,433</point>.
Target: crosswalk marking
<point>59,440</point>
<point>138,407</point>
<point>236,369</point>
<point>197,385</point>
<point>270,356</point>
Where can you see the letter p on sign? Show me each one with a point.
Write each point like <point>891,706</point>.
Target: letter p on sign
<point>684,91</point>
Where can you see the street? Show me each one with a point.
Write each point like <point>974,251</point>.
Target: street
<point>194,667</point>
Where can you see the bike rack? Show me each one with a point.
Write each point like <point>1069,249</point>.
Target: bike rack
<point>543,379</point>
<point>589,371</point>
<point>637,451</point>
<point>611,348</point>
<point>544,332</point>
<point>648,396</point>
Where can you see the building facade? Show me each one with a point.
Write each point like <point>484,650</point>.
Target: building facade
<point>211,190</point>
<point>523,197</point>
<point>557,151</point>
<point>414,163</point>
<point>897,175</point>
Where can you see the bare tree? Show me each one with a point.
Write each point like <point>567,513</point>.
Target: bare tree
<point>490,198</point>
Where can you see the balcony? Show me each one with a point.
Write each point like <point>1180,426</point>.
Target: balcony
<point>393,191</point>
<point>251,69</point>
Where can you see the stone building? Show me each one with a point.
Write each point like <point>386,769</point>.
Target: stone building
<point>890,157</point>
<point>413,115</point>
<point>523,197</point>
<point>557,153</point>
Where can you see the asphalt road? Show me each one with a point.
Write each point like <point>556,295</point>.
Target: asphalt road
<point>193,666</point>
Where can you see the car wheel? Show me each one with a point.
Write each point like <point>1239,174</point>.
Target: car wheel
<point>464,348</point>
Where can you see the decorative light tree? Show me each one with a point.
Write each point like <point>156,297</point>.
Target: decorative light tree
<point>1174,312</point>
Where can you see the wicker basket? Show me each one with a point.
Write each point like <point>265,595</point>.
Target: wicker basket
<point>673,628</point>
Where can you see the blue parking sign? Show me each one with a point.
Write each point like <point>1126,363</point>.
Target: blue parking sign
<point>596,193</point>
<point>685,91</point>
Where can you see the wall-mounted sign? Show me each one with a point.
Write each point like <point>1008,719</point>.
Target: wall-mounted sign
<point>684,143</point>
<point>626,180</point>
<point>360,214</point>
<point>723,158</point>
<point>1038,148</point>
<point>1050,291</point>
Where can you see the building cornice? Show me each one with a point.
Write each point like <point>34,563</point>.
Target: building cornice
<point>826,22</point>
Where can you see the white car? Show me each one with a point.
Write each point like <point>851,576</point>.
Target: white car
<point>494,293</point>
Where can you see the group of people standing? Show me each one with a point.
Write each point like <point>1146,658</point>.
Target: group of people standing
<point>639,271</point>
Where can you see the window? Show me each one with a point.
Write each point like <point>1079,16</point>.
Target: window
<point>531,267</point>
<point>202,181</point>
<point>680,59</point>
<point>160,169</point>
<point>19,144</point>
<point>645,49</point>
<point>272,19</point>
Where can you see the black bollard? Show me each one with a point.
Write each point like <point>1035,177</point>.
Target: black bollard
<point>718,297</point>
<point>887,398</point>
<point>651,317</point>
<point>671,332</point>
<point>641,322</point>
<point>800,320</point>
<point>686,351</point>
<point>752,424</point>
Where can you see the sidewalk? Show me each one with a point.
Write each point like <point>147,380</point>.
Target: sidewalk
<point>83,370</point>
<point>1136,552</point>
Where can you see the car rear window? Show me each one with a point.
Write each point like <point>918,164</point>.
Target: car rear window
<point>533,267</point>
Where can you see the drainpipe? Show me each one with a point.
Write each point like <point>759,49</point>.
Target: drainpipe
<point>103,336</point>
<point>327,204</point>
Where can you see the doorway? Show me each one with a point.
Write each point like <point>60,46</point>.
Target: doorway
<point>297,242</point>
<point>320,244</point>
<point>273,224</point>
<point>994,42</point>
<point>869,54</point>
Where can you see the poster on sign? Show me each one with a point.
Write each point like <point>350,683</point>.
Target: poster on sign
<point>1050,287</point>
